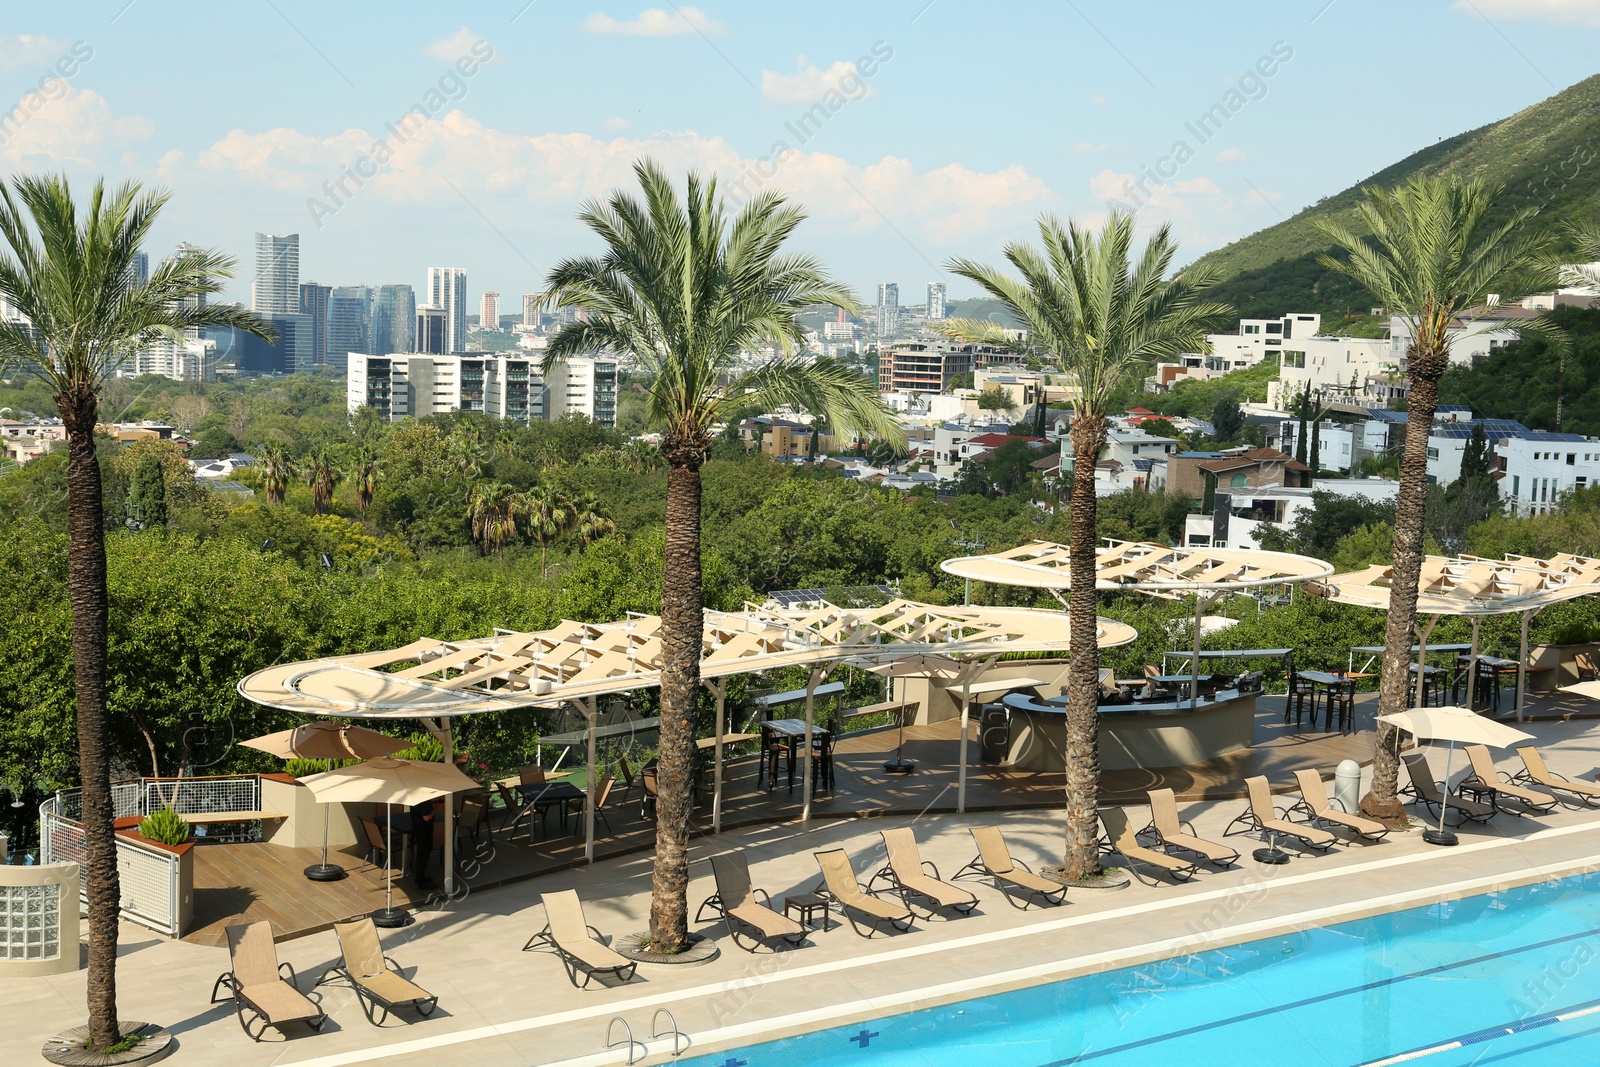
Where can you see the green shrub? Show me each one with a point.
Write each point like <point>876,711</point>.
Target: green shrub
<point>166,827</point>
<point>1575,632</point>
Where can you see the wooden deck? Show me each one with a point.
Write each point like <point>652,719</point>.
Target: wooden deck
<point>243,883</point>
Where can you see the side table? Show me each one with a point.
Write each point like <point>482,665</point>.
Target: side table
<point>807,904</point>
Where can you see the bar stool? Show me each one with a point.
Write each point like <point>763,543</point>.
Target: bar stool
<point>1342,703</point>
<point>822,761</point>
<point>1300,698</point>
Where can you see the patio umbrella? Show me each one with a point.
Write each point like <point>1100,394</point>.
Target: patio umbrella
<point>328,740</point>
<point>1584,689</point>
<point>1452,725</point>
<point>921,665</point>
<point>388,781</point>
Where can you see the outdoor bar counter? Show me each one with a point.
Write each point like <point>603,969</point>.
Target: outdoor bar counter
<point>1173,733</point>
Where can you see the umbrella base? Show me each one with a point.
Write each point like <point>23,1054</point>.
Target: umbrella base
<point>1273,856</point>
<point>1440,837</point>
<point>325,872</point>
<point>392,918</point>
<point>899,766</point>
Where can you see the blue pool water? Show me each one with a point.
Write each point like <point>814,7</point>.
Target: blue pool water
<point>1340,995</point>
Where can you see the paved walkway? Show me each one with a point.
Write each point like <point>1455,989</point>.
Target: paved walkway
<point>502,1006</point>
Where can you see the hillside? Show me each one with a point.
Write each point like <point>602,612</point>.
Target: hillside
<point>1546,155</point>
<point>1523,380</point>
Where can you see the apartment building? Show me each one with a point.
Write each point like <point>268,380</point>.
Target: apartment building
<point>501,385</point>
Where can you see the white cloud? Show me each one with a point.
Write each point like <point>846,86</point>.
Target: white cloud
<point>1099,99</point>
<point>1231,155</point>
<point>69,126</point>
<point>1084,148</point>
<point>618,123</point>
<point>25,51</point>
<point>459,45</point>
<point>809,83</point>
<point>1585,12</point>
<point>655,22</point>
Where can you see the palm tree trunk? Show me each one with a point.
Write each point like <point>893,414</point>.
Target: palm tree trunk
<point>1394,689</point>
<point>682,629</point>
<point>86,582</point>
<point>1082,856</point>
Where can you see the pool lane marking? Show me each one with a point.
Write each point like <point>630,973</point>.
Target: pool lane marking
<point>1176,945</point>
<point>1494,1033</point>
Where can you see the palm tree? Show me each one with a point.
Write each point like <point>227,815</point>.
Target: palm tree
<point>642,457</point>
<point>1433,255</point>
<point>323,474</point>
<point>683,289</point>
<point>496,514</point>
<point>590,520</point>
<point>67,274</point>
<point>365,472</point>
<point>549,513</point>
<point>276,470</point>
<point>1087,304</point>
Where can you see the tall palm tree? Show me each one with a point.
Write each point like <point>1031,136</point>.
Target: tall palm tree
<point>1086,303</point>
<point>323,473</point>
<point>365,472</point>
<point>548,514</point>
<point>1433,254</point>
<point>589,519</point>
<point>496,514</point>
<point>66,272</point>
<point>276,471</point>
<point>684,289</point>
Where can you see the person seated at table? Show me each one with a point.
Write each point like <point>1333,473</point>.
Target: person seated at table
<point>423,816</point>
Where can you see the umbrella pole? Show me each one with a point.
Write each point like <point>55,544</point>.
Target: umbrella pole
<point>1441,836</point>
<point>720,690</point>
<point>389,917</point>
<point>1472,665</point>
<point>325,871</point>
<point>961,783</point>
<point>901,765</point>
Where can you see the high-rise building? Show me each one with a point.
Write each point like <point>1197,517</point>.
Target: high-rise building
<point>583,386</point>
<point>447,289</point>
<point>314,303</point>
<point>915,367</point>
<point>503,385</point>
<point>138,269</point>
<point>276,290</point>
<point>489,313</point>
<point>394,319</point>
<point>936,293</point>
<point>530,310</point>
<point>432,335</point>
<point>349,323</point>
<point>290,354</point>
<point>888,309</point>
<point>189,359</point>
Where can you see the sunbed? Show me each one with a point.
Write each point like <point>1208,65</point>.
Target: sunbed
<point>1318,807</point>
<point>577,943</point>
<point>378,981</point>
<point>1125,843</point>
<point>736,900</point>
<point>1259,816</point>
<point>994,861</point>
<point>1487,780</point>
<point>1430,792</point>
<point>1177,834</point>
<point>853,898</point>
<point>1535,772</point>
<point>257,985</point>
<point>905,873</point>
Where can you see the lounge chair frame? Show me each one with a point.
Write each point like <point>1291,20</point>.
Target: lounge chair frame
<point>725,869</point>
<point>852,898</point>
<point>1178,834</point>
<point>1435,797</point>
<point>1124,842</point>
<point>623,972</point>
<point>904,874</point>
<point>1254,821</point>
<point>244,1004</point>
<point>1009,874</point>
<point>1536,772</point>
<point>1500,786</point>
<point>1332,813</point>
<point>372,999</point>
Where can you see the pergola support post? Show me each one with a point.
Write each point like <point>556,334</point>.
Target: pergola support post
<point>973,672</point>
<point>441,728</point>
<point>590,708</point>
<point>719,689</point>
<point>1472,663</point>
<point>816,679</point>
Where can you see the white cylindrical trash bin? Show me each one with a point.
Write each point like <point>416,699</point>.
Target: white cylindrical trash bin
<point>1347,784</point>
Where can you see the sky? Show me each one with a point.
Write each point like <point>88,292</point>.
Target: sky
<point>911,130</point>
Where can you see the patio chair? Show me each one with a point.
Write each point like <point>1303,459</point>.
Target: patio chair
<point>736,900</point>
<point>379,983</point>
<point>577,943</point>
<point>256,983</point>
<point>575,805</point>
<point>1299,700</point>
<point>1259,816</point>
<point>1587,665</point>
<point>378,845</point>
<point>1535,772</point>
<point>853,898</point>
<point>905,874</point>
<point>647,802</point>
<point>625,772</point>
<point>994,861</point>
<point>531,776</point>
<point>1174,833</point>
<point>1498,786</point>
<point>1125,843</point>
<point>514,809</point>
<point>1317,806</point>
<point>1430,792</point>
<point>474,816</point>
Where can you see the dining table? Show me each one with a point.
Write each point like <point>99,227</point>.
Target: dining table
<point>540,797</point>
<point>1330,684</point>
<point>792,731</point>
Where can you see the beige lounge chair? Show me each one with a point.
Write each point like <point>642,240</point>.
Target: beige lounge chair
<point>1259,816</point>
<point>1174,833</point>
<point>1125,843</point>
<point>378,981</point>
<point>905,873</point>
<point>1429,791</point>
<point>1535,772</point>
<point>853,898</point>
<point>994,861</point>
<point>577,943</point>
<point>1316,805</point>
<point>257,985</point>
<point>736,901</point>
<point>1486,778</point>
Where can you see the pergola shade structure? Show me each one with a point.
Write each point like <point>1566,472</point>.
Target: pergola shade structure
<point>1474,587</point>
<point>1147,568</point>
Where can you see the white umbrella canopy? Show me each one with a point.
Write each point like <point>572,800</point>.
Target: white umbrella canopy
<point>327,739</point>
<point>1584,689</point>
<point>1455,724</point>
<point>387,781</point>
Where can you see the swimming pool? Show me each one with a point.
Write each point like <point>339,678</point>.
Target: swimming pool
<point>1354,993</point>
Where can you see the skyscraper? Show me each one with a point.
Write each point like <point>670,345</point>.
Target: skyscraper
<point>431,330</point>
<point>277,286</point>
<point>138,269</point>
<point>349,323</point>
<point>489,314</point>
<point>314,303</point>
<point>888,309</point>
<point>447,289</point>
<point>394,319</point>
<point>530,310</point>
<point>935,301</point>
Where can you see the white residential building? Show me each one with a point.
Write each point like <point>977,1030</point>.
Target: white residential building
<point>888,309</point>
<point>584,386</point>
<point>1125,447</point>
<point>1256,339</point>
<point>501,385</point>
<point>1537,468</point>
<point>447,289</point>
<point>182,361</point>
<point>950,439</point>
<point>1353,369</point>
<point>1475,334</point>
<point>1238,514</point>
<point>1337,443</point>
<point>276,290</point>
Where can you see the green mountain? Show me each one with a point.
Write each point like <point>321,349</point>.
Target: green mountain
<point>1546,155</point>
